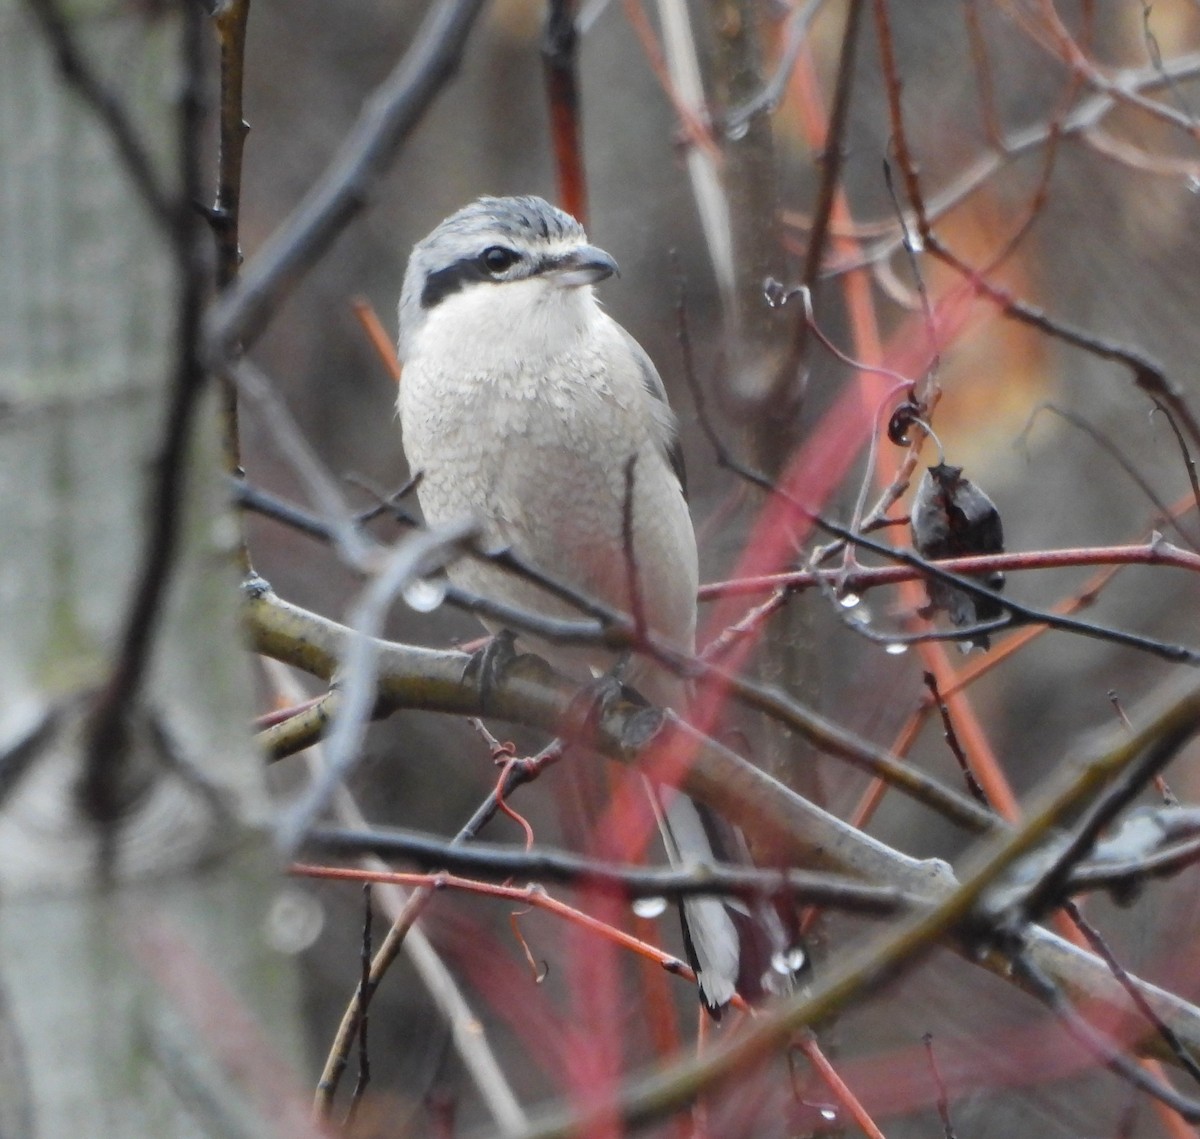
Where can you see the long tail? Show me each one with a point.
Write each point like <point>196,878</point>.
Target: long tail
<point>732,946</point>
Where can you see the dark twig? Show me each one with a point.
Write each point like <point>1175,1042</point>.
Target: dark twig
<point>516,775</point>
<point>951,737</point>
<point>20,754</point>
<point>1017,612</point>
<point>230,18</point>
<point>106,735</point>
<point>1036,980</point>
<point>831,172</point>
<point>1189,463</point>
<point>1102,950</point>
<point>1117,455</point>
<point>1147,373</point>
<point>497,863</point>
<point>262,502</point>
<point>130,147</point>
<point>345,189</point>
<point>560,71</point>
<point>637,603</point>
<point>364,985</point>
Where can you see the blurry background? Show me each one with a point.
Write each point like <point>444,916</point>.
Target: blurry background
<point>1100,227</point>
<point>1112,249</point>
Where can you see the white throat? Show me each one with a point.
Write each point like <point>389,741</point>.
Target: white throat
<point>486,327</point>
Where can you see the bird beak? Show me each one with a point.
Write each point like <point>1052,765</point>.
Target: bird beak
<point>584,265</point>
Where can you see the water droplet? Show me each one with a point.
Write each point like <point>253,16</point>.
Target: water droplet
<point>789,961</point>
<point>896,649</point>
<point>1193,184</point>
<point>849,600</point>
<point>914,243</point>
<point>829,1114</point>
<point>425,594</point>
<point>294,921</point>
<point>649,907</point>
<point>738,129</point>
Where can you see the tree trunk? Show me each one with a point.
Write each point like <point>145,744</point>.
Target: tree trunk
<point>150,1004</point>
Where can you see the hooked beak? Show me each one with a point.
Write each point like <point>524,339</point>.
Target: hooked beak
<point>584,265</point>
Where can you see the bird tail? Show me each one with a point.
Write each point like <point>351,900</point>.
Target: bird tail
<point>734,947</point>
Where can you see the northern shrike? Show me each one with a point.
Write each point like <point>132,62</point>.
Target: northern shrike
<point>522,403</point>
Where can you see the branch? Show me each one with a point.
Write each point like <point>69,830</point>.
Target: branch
<point>862,578</point>
<point>888,957</point>
<point>388,118</point>
<point>75,69</point>
<point>529,693</point>
<point>495,862</point>
<point>106,732</point>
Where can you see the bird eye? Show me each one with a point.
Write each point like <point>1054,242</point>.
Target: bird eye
<point>497,258</point>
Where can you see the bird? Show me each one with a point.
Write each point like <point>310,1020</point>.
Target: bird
<point>527,409</point>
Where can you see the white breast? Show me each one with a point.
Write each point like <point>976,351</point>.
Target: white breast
<point>523,416</point>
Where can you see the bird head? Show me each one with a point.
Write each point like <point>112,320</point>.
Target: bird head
<point>500,264</point>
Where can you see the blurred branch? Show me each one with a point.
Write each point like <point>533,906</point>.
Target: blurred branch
<point>498,863</point>
<point>528,692</point>
<point>832,157</point>
<point>230,19</point>
<point>100,785</point>
<point>388,118</point>
<point>954,918</point>
<point>420,553</point>
<point>560,68</point>
<point>774,89</point>
<point>1154,552</point>
<point>131,149</point>
<point>1082,120</point>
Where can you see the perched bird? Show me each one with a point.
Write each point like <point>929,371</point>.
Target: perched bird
<point>522,404</point>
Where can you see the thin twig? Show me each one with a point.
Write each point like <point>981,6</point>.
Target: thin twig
<point>130,146</point>
<point>231,19</point>
<point>951,737</point>
<point>560,72</point>
<point>388,118</point>
<point>1101,948</point>
<point>364,983</point>
<point>1099,1045</point>
<point>499,863</point>
<point>105,737</point>
<point>515,776</point>
<point>831,171</point>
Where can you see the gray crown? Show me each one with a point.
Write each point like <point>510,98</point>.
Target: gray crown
<point>450,257</point>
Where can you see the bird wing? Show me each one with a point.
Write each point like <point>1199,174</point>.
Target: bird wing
<point>667,430</point>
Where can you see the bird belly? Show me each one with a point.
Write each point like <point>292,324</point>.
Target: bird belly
<point>543,471</point>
